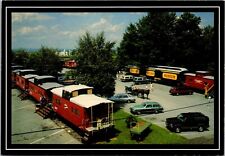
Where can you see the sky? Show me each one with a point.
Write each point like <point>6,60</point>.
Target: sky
<point>63,30</point>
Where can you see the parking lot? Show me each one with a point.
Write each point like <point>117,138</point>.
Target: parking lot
<point>174,105</point>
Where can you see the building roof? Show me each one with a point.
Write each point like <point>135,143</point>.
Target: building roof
<point>29,76</point>
<point>70,88</point>
<point>89,100</point>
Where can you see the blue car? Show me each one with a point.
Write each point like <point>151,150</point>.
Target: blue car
<point>122,98</point>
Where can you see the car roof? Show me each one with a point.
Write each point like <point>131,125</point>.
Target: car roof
<point>192,114</point>
<point>150,102</point>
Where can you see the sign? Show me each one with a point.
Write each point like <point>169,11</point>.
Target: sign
<point>134,70</point>
<point>150,73</point>
<point>169,76</point>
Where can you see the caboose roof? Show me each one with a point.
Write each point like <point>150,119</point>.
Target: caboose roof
<point>44,77</point>
<point>89,100</point>
<point>29,76</point>
<point>50,85</point>
<point>25,70</point>
<point>209,77</point>
<point>70,88</point>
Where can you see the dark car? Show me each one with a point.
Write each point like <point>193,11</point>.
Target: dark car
<point>122,98</point>
<point>146,107</point>
<point>181,90</point>
<point>188,121</point>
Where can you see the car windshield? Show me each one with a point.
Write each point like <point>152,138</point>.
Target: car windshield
<point>180,117</point>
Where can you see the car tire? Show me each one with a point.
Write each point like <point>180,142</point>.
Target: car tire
<point>200,129</point>
<point>156,111</point>
<point>177,130</point>
<point>138,112</point>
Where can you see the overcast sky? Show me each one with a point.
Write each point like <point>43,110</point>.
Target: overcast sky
<point>62,30</point>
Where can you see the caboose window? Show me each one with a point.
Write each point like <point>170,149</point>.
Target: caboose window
<point>57,101</point>
<point>75,111</point>
<point>66,95</point>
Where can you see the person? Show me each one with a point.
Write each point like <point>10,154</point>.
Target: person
<point>151,87</point>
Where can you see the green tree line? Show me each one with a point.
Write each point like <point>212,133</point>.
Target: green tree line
<point>163,38</point>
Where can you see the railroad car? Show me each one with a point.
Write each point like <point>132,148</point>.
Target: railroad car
<point>201,80</point>
<point>166,73</point>
<point>40,86</point>
<point>15,69</point>
<point>78,105</point>
<point>24,85</point>
<point>133,70</point>
<point>20,80</point>
<point>70,64</point>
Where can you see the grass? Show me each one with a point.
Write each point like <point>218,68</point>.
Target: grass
<point>157,134</point>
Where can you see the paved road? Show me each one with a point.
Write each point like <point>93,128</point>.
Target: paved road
<point>30,128</point>
<point>174,105</point>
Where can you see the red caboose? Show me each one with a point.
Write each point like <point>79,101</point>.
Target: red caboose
<point>70,64</point>
<point>20,80</point>
<point>40,86</point>
<point>77,104</point>
<point>201,81</point>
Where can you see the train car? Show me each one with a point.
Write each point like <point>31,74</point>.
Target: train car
<point>13,75</point>
<point>78,105</point>
<point>24,81</point>
<point>70,64</point>
<point>201,81</point>
<point>166,73</point>
<point>40,86</point>
<point>133,70</point>
<point>14,70</point>
<point>20,80</point>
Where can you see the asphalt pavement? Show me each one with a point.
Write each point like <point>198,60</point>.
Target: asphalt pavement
<point>30,128</point>
<point>174,105</point>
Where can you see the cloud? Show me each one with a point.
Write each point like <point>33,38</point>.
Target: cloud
<point>19,17</point>
<point>28,30</point>
<point>105,25</point>
<point>76,14</point>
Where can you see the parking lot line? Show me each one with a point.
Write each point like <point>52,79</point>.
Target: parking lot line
<point>47,136</point>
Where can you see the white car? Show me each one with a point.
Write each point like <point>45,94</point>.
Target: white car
<point>126,78</point>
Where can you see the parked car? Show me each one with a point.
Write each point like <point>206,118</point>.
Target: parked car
<point>188,121</point>
<point>122,98</point>
<point>126,78</point>
<point>140,80</point>
<point>146,107</point>
<point>181,90</point>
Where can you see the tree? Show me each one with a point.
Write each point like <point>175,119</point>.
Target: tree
<point>45,61</point>
<point>209,48</point>
<point>148,41</point>
<point>20,57</point>
<point>96,66</point>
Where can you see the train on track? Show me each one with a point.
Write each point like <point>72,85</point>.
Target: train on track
<point>75,103</point>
